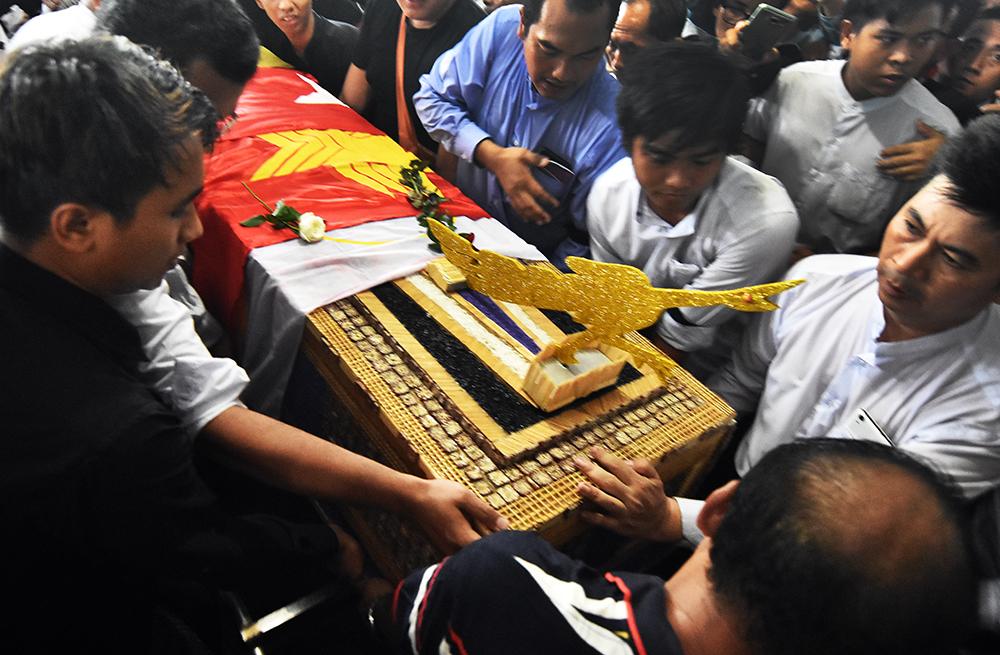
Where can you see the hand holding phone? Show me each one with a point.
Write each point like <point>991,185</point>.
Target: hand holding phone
<point>765,29</point>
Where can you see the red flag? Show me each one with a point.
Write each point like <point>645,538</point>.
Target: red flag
<point>290,143</point>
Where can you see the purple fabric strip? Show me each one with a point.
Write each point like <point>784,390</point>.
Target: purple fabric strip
<point>486,305</point>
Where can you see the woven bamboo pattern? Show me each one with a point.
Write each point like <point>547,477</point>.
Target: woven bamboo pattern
<point>678,425</point>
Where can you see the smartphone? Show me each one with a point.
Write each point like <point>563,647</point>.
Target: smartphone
<point>766,28</point>
<point>864,428</point>
<point>557,177</point>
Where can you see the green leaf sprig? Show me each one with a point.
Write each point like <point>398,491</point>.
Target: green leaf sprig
<point>426,202</point>
<point>281,217</point>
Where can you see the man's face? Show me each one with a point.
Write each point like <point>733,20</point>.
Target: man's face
<point>629,34</point>
<point>137,254</point>
<point>975,67</point>
<point>730,12</point>
<point>938,266</point>
<point>291,16</point>
<point>424,13</point>
<point>222,92</point>
<point>674,180</point>
<point>562,48</point>
<point>885,56</point>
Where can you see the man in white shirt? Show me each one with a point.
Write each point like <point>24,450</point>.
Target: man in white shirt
<point>822,125</point>
<point>903,349</point>
<point>680,210</point>
<point>76,22</point>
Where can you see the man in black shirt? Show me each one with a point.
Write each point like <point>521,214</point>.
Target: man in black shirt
<point>431,27</point>
<point>309,42</point>
<point>100,492</point>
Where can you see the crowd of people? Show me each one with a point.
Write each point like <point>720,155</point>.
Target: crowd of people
<point>858,503</point>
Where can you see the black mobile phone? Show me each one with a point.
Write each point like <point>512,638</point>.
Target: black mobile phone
<point>766,28</point>
<point>557,177</point>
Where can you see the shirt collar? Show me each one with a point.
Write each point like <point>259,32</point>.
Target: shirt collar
<point>921,347</point>
<point>687,225</point>
<point>61,301</point>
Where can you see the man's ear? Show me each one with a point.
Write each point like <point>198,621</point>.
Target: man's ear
<point>715,508</point>
<point>847,34</point>
<point>75,227</point>
<point>260,4</point>
<point>522,31</point>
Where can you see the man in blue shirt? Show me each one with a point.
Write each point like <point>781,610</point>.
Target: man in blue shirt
<point>526,105</point>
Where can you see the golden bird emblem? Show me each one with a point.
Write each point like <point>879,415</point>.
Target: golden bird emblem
<point>610,300</point>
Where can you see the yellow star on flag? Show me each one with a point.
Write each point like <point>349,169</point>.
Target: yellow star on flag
<point>373,160</point>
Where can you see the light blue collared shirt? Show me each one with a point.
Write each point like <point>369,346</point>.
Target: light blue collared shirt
<point>480,89</point>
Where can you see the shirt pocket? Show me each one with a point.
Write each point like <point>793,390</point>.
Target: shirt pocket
<point>678,274</point>
<point>860,196</point>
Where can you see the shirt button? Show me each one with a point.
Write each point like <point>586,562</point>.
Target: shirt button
<point>517,144</point>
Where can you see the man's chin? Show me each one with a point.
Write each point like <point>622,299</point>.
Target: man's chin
<point>554,92</point>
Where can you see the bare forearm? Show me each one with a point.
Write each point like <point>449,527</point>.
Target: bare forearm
<point>287,457</point>
<point>356,91</point>
<point>486,154</point>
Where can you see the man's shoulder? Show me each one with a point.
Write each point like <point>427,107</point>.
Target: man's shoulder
<point>748,191</point>
<point>463,15</point>
<point>602,95</point>
<point>615,180</point>
<point>335,33</point>
<point>924,104</point>
<point>823,274</point>
<point>810,72</point>
<point>834,267</point>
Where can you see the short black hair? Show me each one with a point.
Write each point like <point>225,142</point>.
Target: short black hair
<point>862,12</point>
<point>971,162</point>
<point>98,122</point>
<point>992,13</point>
<point>810,564</point>
<point>183,31</point>
<point>666,18</point>
<point>683,87</point>
<point>532,9</point>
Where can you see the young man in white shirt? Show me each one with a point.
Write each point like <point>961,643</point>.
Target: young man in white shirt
<point>903,349</point>
<point>822,125</point>
<point>681,210</point>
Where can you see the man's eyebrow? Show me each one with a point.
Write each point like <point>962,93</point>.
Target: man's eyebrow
<point>915,215</point>
<point>969,260</point>
<point>191,196</point>
<point>548,45</point>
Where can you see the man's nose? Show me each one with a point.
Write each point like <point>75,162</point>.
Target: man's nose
<point>192,228</point>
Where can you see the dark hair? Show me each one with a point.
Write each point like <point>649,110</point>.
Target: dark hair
<point>971,162</point>
<point>98,122</point>
<point>862,12</point>
<point>666,18</point>
<point>810,564</point>
<point>993,13</point>
<point>687,88</point>
<point>533,9</point>
<point>183,31</point>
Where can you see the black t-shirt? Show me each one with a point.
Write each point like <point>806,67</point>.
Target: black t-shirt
<point>329,53</point>
<point>376,55</point>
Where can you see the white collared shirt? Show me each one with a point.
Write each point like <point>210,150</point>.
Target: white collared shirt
<point>740,232</point>
<point>816,362</point>
<point>76,22</point>
<point>194,384</point>
<point>823,145</point>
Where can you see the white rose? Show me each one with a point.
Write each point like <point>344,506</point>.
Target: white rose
<point>311,227</point>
